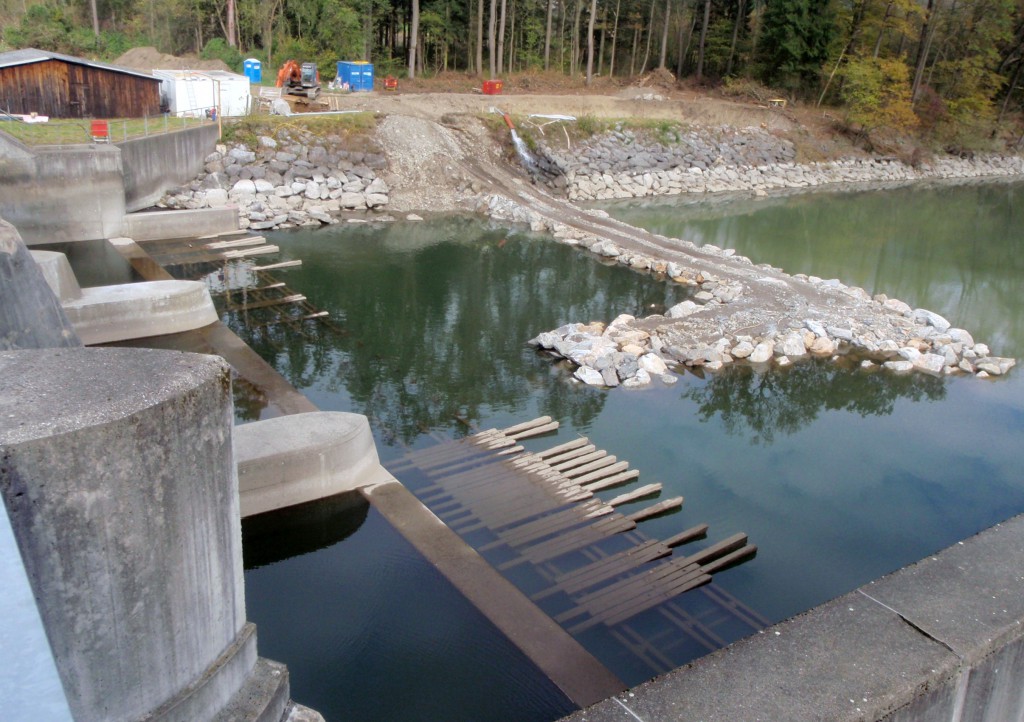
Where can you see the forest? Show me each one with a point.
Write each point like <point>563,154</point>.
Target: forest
<point>950,69</point>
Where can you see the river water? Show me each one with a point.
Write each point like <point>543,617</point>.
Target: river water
<point>838,476</point>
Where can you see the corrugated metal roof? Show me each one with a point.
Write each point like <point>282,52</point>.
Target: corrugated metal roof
<point>26,56</point>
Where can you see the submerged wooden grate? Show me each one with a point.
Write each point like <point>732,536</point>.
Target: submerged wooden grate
<point>590,564</point>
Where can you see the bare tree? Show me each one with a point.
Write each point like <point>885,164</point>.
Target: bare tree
<point>703,37</point>
<point>414,31</point>
<point>590,41</point>
<point>664,36</point>
<point>547,36</point>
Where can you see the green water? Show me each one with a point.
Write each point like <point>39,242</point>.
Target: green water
<point>838,476</point>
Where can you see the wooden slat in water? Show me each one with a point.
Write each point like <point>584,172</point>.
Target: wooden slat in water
<point>294,298</point>
<point>730,544</point>
<point>247,252</point>
<point>527,425</point>
<point>535,431</point>
<point>563,521</point>
<point>607,526</point>
<point>237,243</point>
<point>589,480</point>
<point>275,266</point>
<point>605,568</point>
<point>582,460</point>
<point>660,508</point>
<point>695,532</point>
<point>562,448</point>
<point>653,599</point>
<point>729,559</point>
<point>611,595</point>
<point>605,462</point>
<point>639,493</point>
<point>607,482</point>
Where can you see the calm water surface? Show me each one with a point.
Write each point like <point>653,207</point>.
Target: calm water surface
<point>838,476</point>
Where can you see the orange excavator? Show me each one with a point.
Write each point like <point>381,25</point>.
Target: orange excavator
<point>301,80</point>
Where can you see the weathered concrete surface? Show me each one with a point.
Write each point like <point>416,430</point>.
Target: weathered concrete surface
<point>158,225</point>
<point>575,671</point>
<point>942,639</point>
<point>136,310</point>
<point>157,162</point>
<point>129,526</point>
<point>56,194</point>
<point>302,457</point>
<point>30,314</point>
<point>58,274</point>
<point>29,684</point>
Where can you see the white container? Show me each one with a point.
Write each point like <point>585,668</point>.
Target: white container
<point>192,93</point>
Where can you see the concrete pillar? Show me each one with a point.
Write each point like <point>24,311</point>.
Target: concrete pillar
<point>30,315</point>
<point>118,478</point>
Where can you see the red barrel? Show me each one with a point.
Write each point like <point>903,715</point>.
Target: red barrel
<point>492,87</point>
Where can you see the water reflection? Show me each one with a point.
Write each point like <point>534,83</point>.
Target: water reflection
<point>433,325</point>
<point>784,401</point>
<point>955,249</point>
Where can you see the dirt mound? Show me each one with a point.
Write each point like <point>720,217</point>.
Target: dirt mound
<point>149,59</point>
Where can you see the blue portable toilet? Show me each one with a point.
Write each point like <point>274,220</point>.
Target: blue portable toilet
<point>358,74</point>
<point>253,70</point>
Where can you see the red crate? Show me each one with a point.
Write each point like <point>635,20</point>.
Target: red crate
<point>100,131</point>
<point>492,87</point>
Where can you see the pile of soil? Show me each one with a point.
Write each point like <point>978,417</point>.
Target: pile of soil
<point>148,59</point>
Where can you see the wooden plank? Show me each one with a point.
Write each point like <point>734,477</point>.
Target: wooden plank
<point>294,298</point>
<point>275,266</point>
<point>603,463</point>
<point>535,431</point>
<point>238,243</point>
<point>527,425</point>
<point>647,601</point>
<point>606,568</point>
<point>696,532</point>
<point>531,532</point>
<point>740,555</point>
<point>589,479</point>
<point>660,508</point>
<point>567,446</point>
<point>723,547</point>
<point>624,590</point>
<point>580,460</point>
<point>606,527</point>
<point>609,481</point>
<point>247,252</point>
<point>640,493</point>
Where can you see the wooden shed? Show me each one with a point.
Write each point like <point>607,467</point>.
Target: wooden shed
<point>63,86</point>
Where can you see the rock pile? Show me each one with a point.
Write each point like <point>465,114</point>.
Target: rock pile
<point>627,164</point>
<point>296,180</point>
<point>631,353</point>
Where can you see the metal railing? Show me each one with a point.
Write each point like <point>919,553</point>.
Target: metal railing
<point>73,131</point>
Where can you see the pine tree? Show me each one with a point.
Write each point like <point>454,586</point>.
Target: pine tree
<point>794,42</point>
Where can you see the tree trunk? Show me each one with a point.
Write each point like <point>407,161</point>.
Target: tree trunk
<point>95,18</point>
<point>1009,91</point>
<point>547,36</point>
<point>480,38</point>
<point>923,47</point>
<point>414,31</point>
<point>511,37</point>
<point>881,31</point>
<point>703,37</point>
<point>501,38</point>
<point>647,44</point>
<point>600,47</point>
<point>492,23</point>
<point>615,38</point>
<point>664,36</point>
<point>632,53</point>
<point>735,36</point>
<point>590,41</point>
<point>575,57</point>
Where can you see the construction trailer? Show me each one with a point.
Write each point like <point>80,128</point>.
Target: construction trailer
<point>193,93</point>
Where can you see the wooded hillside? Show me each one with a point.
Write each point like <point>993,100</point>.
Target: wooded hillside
<point>948,68</point>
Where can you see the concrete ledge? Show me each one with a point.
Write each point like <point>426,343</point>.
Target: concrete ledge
<point>942,639</point>
<point>263,698</point>
<point>158,225</point>
<point>58,274</point>
<point>294,459</point>
<point>136,310</point>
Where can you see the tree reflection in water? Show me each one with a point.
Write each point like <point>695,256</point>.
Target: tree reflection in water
<point>785,400</point>
<point>434,320</point>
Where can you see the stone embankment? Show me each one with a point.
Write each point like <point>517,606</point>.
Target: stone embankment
<point>726,320</point>
<point>630,164</point>
<point>291,180</point>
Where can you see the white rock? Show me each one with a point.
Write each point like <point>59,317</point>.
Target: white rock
<point>930,362</point>
<point>994,366</point>
<point>762,352</point>
<point>899,367</point>
<point>413,217</point>
<point>958,335</point>
<point>642,378</point>
<point>216,198</point>
<point>669,379</point>
<point>742,350</point>
<point>682,310</point>
<point>653,364</point>
<point>243,187</point>
<point>263,186</point>
<point>924,316</point>
<point>981,350</point>
<point>589,376</point>
<point>792,345</point>
<point>894,304</point>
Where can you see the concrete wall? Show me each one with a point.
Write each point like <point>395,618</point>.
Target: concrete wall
<point>82,192</point>
<point>156,163</point>
<point>156,225</point>
<point>56,194</point>
<point>120,485</point>
<point>940,640</point>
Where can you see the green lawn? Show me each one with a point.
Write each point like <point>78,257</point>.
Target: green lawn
<point>72,131</point>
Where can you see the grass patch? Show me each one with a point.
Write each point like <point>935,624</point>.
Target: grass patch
<point>73,131</point>
<point>354,129</point>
